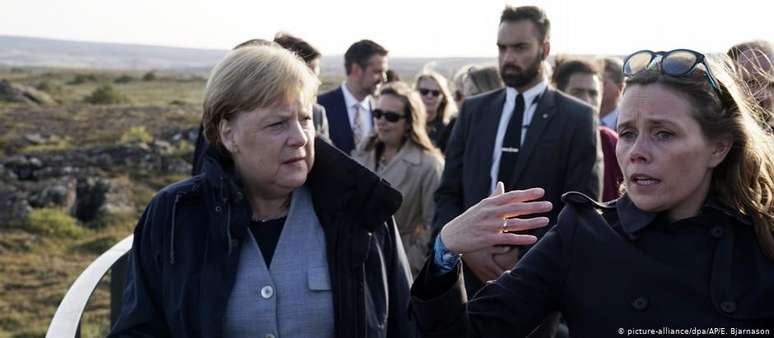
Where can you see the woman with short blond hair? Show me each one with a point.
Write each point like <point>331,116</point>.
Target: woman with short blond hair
<point>281,235</point>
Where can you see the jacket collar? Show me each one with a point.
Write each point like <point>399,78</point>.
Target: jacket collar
<point>409,153</point>
<point>340,185</point>
<point>219,174</point>
<point>337,182</point>
<point>633,219</point>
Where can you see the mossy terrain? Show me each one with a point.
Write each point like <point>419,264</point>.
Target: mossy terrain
<point>41,255</point>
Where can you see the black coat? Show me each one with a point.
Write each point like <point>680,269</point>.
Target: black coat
<point>561,153</point>
<point>612,266</point>
<point>185,253</point>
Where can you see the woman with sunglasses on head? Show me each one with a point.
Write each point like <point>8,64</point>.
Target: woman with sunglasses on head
<point>689,246</point>
<point>439,105</point>
<point>401,153</point>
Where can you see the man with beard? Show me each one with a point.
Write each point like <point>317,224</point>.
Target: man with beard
<point>525,135</point>
<point>349,105</point>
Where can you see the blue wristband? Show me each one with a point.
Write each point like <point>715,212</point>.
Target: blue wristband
<point>443,258</point>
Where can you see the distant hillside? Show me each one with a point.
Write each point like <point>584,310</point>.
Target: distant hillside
<point>37,52</point>
<point>25,51</point>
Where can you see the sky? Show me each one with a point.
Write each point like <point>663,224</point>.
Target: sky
<point>408,28</point>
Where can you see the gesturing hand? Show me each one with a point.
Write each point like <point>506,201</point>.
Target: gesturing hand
<point>487,223</point>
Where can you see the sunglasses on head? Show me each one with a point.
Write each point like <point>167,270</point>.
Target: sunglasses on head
<point>425,91</point>
<point>677,63</point>
<point>388,115</point>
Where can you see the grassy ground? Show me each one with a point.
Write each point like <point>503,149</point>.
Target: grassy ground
<point>36,267</point>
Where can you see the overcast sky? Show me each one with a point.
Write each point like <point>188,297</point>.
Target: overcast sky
<point>405,27</point>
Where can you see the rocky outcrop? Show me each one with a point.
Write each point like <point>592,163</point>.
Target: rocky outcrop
<point>88,182</point>
<point>12,92</point>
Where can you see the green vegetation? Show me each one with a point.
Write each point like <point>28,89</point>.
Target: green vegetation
<point>105,94</point>
<point>52,144</point>
<point>123,79</point>
<point>149,76</point>
<point>136,134</point>
<point>51,221</point>
<point>83,78</point>
<point>41,255</point>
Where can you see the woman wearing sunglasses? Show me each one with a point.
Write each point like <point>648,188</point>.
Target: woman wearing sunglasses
<point>401,153</point>
<point>689,247</point>
<point>439,105</point>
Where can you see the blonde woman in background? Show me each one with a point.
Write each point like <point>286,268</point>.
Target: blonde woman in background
<point>401,152</point>
<point>441,109</point>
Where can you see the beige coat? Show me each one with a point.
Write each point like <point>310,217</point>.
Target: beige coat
<point>416,174</point>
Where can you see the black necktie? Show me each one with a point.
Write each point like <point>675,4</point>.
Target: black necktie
<point>511,143</point>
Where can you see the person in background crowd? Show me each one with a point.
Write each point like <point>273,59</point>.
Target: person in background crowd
<point>755,61</point>
<point>552,143</point>
<point>483,79</point>
<point>391,76</point>
<point>581,79</point>
<point>439,106</point>
<point>689,245</point>
<point>458,81</point>
<point>349,105</point>
<point>311,57</point>
<point>476,79</point>
<point>401,152</point>
<point>526,135</point>
<point>256,245</point>
<point>612,80</point>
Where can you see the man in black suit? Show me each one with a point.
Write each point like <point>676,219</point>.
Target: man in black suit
<point>526,135</point>
<point>349,106</point>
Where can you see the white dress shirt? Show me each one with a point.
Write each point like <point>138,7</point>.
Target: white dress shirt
<point>531,96</point>
<point>364,110</point>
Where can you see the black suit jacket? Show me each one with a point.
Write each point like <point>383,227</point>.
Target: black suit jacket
<point>338,119</point>
<point>560,153</point>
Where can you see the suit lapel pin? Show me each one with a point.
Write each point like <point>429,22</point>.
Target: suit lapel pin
<point>545,116</point>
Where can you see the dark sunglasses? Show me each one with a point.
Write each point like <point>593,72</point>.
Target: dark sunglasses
<point>424,92</point>
<point>677,63</point>
<point>388,115</point>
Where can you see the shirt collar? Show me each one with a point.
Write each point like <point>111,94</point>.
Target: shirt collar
<point>529,95</point>
<point>634,220</point>
<point>350,99</point>
<point>610,119</point>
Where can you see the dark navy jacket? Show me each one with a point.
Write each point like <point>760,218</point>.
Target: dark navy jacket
<point>613,266</point>
<point>185,253</point>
